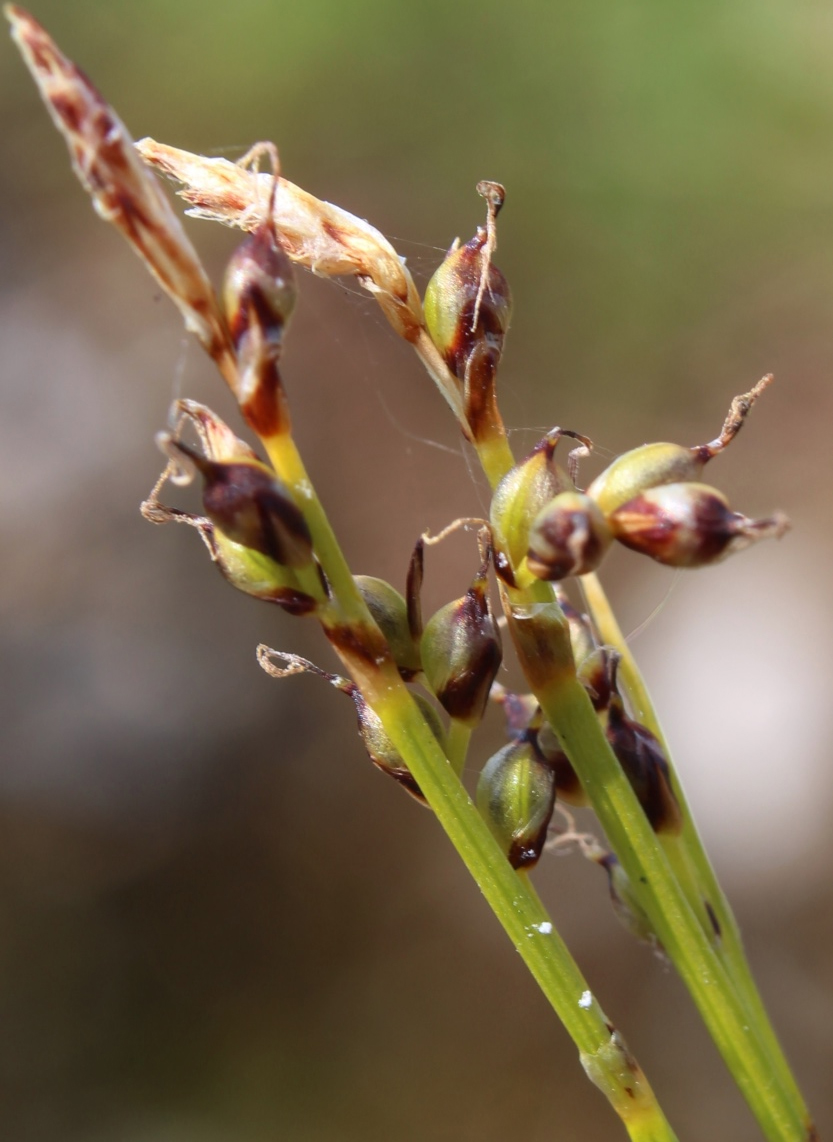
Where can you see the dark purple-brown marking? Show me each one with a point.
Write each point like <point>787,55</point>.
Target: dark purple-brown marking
<point>713,920</point>
<point>363,644</point>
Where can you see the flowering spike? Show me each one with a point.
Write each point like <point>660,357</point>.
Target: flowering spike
<point>413,589</point>
<point>688,525</point>
<point>123,191</point>
<point>246,569</point>
<point>324,238</point>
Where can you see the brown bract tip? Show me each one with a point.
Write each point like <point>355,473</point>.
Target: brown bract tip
<point>122,190</point>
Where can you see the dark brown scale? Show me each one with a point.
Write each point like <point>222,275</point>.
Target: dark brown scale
<point>259,296</point>
<point>468,690</point>
<point>712,519</point>
<point>265,410</point>
<point>641,757</point>
<point>489,327</point>
<point>713,920</point>
<point>249,507</point>
<point>359,643</point>
<point>66,108</point>
<point>503,568</point>
<point>413,590</point>
<point>268,267</point>
<point>293,602</point>
<point>596,674</point>
<point>407,780</point>
<point>526,854</point>
<point>567,782</point>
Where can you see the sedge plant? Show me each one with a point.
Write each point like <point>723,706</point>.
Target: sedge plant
<point>586,732</point>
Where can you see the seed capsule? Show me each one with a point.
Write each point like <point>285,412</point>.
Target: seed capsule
<point>596,675</point>
<point>646,768</point>
<point>567,783</point>
<point>461,652</point>
<point>569,536</point>
<point>258,575</point>
<point>381,750</point>
<point>467,302</point>
<point>626,906</point>
<point>390,613</point>
<point>248,503</point>
<point>259,295</point>
<point>582,638</point>
<point>259,289</point>
<point>516,796</point>
<point>519,497</point>
<point>655,464</point>
<point>688,525</point>
<point>467,309</point>
<point>642,468</point>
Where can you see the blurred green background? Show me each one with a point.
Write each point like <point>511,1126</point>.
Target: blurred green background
<point>217,921</point>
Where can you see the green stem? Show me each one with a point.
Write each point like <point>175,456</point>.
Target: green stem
<point>523,917</point>
<point>603,1054</point>
<point>689,864</point>
<point>535,624</point>
<point>687,852</point>
<point>457,746</point>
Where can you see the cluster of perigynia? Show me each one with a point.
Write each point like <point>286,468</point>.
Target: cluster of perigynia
<point>541,526</point>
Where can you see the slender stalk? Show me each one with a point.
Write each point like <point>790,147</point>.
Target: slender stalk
<point>742,1031</point>
<point>688,850</point>
<point>568,708</point>
<point>602,1051</point>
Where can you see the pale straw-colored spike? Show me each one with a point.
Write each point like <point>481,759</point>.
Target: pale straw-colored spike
<point>123,191</point>
<point>315,234</point>
<point>324,238</point>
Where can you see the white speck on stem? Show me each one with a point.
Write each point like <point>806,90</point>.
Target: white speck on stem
<point>586,1000</point>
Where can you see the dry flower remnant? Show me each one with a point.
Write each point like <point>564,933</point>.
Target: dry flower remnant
<point>420,689</point>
